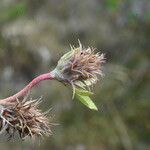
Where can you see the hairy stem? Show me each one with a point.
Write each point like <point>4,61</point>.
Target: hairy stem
<point>26,89</point>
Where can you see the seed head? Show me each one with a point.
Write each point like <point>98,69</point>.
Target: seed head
<point>24,118</point>
<point>80,67</point>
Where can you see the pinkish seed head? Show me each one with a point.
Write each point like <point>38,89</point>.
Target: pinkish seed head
<point>80,67</point>
<point>24,118</point>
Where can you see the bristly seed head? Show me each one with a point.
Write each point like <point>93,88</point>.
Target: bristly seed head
<point>80,67</point>
<point>24,118</point>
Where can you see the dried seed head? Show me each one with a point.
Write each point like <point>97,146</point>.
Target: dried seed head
<point>80,67</point>
<point>24,118</point>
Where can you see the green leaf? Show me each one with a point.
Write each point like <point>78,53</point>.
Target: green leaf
<point>86,100</point>
<point>67,56</point>
<point>83,92</point>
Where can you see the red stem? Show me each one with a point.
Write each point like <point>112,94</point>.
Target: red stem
<point>24,91</point>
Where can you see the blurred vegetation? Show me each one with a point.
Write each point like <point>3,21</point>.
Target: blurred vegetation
<point>33,36</point>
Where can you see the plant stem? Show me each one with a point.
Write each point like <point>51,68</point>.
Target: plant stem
<point>26,89</point>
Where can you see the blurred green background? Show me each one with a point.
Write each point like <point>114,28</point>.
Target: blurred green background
<point>34,34</point>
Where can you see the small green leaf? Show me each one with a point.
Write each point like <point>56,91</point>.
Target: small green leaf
<point>80,84</point>
<point>86,100</point>
<point>83,92</point>
<point>66,57</point>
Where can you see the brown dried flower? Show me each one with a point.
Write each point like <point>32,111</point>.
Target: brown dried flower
<point>24,118</point>
<point>80,67</point>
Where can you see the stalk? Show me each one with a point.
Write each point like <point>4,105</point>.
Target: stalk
<point>26,89</point>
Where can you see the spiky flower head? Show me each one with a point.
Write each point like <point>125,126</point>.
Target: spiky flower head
<point>80,67</point>
<point>24,118</point>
